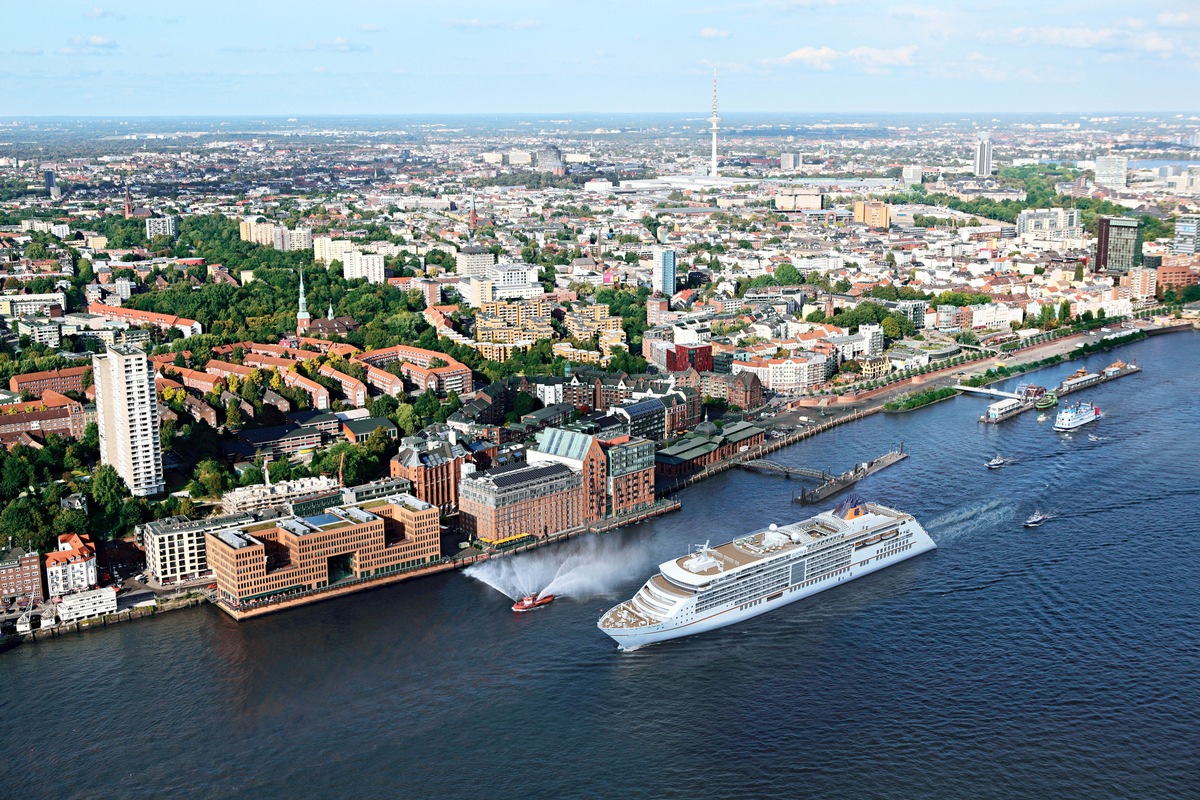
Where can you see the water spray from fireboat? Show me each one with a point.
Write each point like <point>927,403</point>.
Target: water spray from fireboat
<point>586,567</point>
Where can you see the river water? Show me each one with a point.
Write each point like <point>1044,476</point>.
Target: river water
<point>1058,662</point>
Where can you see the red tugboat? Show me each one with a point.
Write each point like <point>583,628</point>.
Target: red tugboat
<point>530,602</point>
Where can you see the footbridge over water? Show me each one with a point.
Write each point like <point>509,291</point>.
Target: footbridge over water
<point>774,467</point>
<point>986,391</point>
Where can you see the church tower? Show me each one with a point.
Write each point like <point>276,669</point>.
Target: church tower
<point>302,317</point>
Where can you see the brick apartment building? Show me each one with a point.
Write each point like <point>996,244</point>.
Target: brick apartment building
<point>531,499</point>
<point>257,562</point>
<point>435,469</point>
<point>21,575</point>
<point>581,453</point>
<point>630,474</point>
<point>690,356</point>
<point>58,380</point>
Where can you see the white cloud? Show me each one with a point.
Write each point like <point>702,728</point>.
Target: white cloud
<point>1179,19</point>
<point>1080,36</point>
<point>872,58</point>
<point>816,57</point>
<point>338,44</point>
<point>96,13</point>
<point>1155,43</point>
<point>473,23</point>
<point>93,41</point>
<point>27,51</point>
<point>371,27</point>
<point>714,33</point>
<point>480,24</point>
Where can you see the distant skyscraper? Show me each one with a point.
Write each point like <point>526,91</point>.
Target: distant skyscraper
<point>662,277</point>
<point>128,203</point>
<point>49,177</point>
<point>160,226</point>
<point>714,120</point>
<point>790,162</point>
<point>912,175</point>
<point>983,156</point>
<point>127,415</point>
<point>1187,235</point>
<point>357,264</point>
<point>1118,244</point>
<point>1111,171</point>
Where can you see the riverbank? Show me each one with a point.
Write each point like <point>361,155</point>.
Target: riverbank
<point>447,564</point>
<point>124,615</point>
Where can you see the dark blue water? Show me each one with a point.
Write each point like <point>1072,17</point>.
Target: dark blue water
<point>1061,662</point>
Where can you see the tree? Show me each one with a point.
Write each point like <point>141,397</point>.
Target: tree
<point>1064,310</point>
<point>891,328</point>
<point>166,435</point>
<point>108,489</point>
<point>406,419</point>
<point>233,414</point>
<point>91,437</point>
<point>1079,272</point>
<point>788,275</point>
<point>251,476</point>
<point>211,477</point>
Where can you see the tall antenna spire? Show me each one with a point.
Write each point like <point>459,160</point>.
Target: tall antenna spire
<point>714,120</point>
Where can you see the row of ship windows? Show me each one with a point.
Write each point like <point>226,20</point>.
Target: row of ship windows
<point>758,589</point>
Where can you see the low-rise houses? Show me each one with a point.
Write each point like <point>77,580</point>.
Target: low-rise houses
<point>71,568</point>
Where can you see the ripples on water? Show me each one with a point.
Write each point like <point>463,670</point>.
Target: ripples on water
<point>1055,662</point>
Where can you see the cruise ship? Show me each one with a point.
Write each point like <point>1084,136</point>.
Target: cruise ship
<point>717,586</point>
<point>1075,416</point>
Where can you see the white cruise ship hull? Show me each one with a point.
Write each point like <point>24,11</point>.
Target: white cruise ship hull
<point>686,620</point>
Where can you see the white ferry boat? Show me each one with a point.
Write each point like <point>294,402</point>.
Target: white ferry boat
<point>717,586</point>
<point>1075,416</point>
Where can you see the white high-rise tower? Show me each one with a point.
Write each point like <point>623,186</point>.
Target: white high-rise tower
<point>127,416</point>
<point>714,119</point>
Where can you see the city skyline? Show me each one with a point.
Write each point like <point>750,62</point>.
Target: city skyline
<point>827,56</point>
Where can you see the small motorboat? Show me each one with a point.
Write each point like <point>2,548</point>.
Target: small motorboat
<point>531,602</point>
<point>996,463</point>
<point>1094,438</point>
<point>1035,520</point>
<point>1042,418</point>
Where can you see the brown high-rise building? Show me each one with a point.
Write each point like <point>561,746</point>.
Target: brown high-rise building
<point>521,499</point>
<point>292,560</point>
<point>435,469</point>
<point>630,482</point>
<point>1118,244</point>
<point>581,453</point>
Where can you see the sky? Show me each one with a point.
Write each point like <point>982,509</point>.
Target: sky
<point>264,57</point>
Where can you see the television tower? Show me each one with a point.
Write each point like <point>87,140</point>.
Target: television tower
<point>714,119</point>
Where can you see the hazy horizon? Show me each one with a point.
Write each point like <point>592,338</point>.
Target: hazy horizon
<point>135,58</point>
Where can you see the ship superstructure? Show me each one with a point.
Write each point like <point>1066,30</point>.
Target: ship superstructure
<point>712,587</point>
<point>1074,416</point>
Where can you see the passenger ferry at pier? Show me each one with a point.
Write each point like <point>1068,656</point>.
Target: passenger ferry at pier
<point>717,586</point>
<point>1075,416</point>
